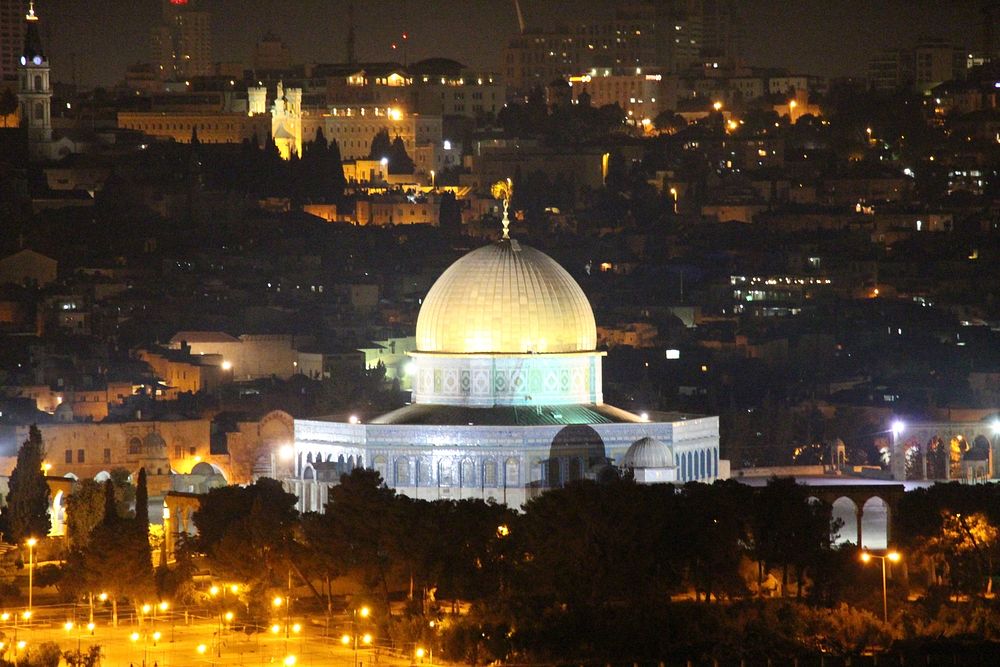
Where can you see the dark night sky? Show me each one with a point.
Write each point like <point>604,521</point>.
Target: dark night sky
<point>828,37</point>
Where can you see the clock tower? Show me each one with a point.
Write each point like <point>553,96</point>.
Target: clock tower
<point>35,91</point>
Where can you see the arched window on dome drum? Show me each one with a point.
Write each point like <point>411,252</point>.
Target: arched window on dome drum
<point>380,467</point>
<point>490,473</point>
<point>402,471</point>
<point>350,463</point>
<point>468,474</point>
<point>134,446</point>
<point>341,465</point>
<point>511,473</point>
<point>715,463</point>
<point>701,464</point>
<point>445,477</point>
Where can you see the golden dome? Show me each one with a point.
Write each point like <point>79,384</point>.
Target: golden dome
<point>506,298</point>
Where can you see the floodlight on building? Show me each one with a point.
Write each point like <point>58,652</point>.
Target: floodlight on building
<point>286,452</point>
<point>354,419</point>
<point>384,161</point>
<point>673,354</point>
<point>227,365</point>
<point>644,416</point>
<point>717,106</point>
<point>898,427</point>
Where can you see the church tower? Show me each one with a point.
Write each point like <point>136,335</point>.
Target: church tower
<point>35,91</point>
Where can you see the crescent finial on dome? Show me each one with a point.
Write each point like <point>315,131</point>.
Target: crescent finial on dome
<point>503,190</point>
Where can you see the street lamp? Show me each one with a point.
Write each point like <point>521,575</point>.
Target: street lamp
<point>363,612</point>
<point>892,556</point>
<point>31,568</point>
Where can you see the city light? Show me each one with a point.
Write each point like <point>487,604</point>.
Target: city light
<point>289,660</point>
<point>367,638</point>
<point>345,640</point>
<point>134,636</point>
<point>898,427</point>
<point>286,452</point>
<point>275,629</point>
<point>277,601</point>
<point>202,649</point>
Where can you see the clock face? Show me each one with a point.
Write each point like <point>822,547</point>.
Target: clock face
<point>37,60</point>
<point>24,61</point>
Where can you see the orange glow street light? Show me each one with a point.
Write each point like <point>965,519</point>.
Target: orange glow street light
<point>891,556</point>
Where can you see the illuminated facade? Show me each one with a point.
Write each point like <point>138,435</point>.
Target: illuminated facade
<point>507,398</point>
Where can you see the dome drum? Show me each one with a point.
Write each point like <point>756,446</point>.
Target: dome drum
<point>487,380</point>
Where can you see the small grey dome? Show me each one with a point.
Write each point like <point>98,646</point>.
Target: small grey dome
<point>153,442</point>
<point>648,453</point>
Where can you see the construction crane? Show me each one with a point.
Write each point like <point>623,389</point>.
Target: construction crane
<point>520,16</point>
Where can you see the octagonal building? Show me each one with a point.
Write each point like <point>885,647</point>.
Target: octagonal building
<point>507,398</point>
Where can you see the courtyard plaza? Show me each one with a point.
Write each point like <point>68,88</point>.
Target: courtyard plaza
<point>185,637</point>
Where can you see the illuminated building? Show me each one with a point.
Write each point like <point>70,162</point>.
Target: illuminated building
<point>507,399</point>
<point>35,90</point>
<point>181,47</point>
<point>11,40</point>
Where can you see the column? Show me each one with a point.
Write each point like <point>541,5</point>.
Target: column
<point>860,515</point>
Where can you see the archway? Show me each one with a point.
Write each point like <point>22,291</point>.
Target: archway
<point>847,511</point>
<point>580,442</point>
<point>875,523</point>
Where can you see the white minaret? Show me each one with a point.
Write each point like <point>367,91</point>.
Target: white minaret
<point>35,92</point>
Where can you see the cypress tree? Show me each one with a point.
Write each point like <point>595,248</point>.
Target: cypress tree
<point>142,502</point>
<point>110,504</point>
<point>27,511</point>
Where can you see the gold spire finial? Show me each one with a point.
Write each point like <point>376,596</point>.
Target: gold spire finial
<point>31,16</point>
<point>503,190</point>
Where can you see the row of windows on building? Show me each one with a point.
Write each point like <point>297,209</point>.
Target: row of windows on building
<point>464,474</point>
<point>700,464</point>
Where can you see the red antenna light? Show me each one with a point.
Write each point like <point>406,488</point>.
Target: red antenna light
<point>406,36</point>
<point>394,45</point>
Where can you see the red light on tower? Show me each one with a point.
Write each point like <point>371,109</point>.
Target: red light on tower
<point>178,2</point>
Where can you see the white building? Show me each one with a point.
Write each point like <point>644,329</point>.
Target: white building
<point>508,398</point>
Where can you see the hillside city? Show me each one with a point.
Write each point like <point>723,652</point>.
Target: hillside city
<point>213,272</point>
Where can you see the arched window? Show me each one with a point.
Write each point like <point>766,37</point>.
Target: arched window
<point>445,473</point>
<point>490,473</point>
<point>402,471</point>
<point>134,446</point>
<point>511,472</point>
<point>468,473</point>
<point>701,464</point>
<point>380,466</point>
<point>575,468</point>
<point>38,82</point>
<point>425,473</point>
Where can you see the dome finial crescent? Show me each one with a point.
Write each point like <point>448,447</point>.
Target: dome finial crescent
<point>503,190</point>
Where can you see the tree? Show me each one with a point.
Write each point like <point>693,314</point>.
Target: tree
<point>142,501</point>
<point>8,104</point>
<point>381,146</point>
<point>27,511</point>
<point>247,534</point>
<point>399,161</point>
<point>85,507</point>
<point>361,525</point>
<point>117,558</point>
